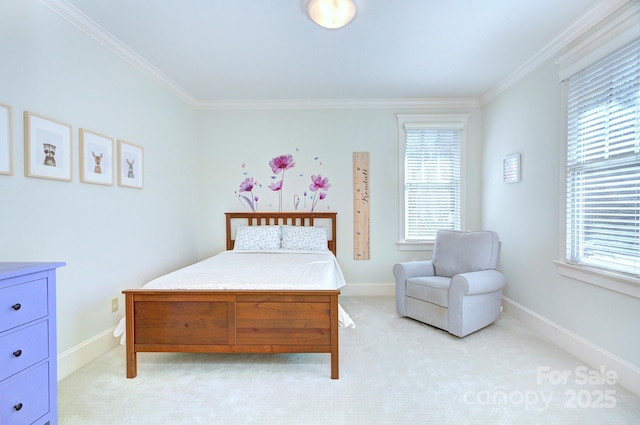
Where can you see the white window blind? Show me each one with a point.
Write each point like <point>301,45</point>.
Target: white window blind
<point>603,163</point>
<point>432,181</point>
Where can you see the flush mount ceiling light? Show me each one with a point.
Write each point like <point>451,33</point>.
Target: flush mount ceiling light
<point>331,13</point>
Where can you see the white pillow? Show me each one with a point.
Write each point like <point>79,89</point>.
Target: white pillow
<point>304,238</point>
<point>251,238</point>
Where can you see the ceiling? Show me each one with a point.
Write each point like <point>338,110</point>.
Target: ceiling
<point>266,50</point>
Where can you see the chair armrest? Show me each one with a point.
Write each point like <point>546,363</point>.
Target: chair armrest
<point>474,283</point>
<point>409,269</point>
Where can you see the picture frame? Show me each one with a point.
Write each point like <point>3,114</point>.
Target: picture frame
<point>511,168</point>
<point>6,140</point>
<point>130,165</point>
<point>48,148</point>
<point>96,158</point>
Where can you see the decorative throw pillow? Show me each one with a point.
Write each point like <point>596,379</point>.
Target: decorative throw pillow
<point>304,238</point>
<point>252,238</point>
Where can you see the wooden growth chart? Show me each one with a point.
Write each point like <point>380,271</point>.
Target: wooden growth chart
<point>361,209</point>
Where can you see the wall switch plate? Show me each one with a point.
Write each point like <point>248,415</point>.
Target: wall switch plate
<point>114,305</point>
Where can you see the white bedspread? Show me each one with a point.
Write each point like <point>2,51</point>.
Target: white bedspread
<point>262,270</point>
<point>278,269</point>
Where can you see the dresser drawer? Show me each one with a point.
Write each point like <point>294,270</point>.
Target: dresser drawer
<point>23,348</point>
<point>24,398</point>
<point>22,303</point>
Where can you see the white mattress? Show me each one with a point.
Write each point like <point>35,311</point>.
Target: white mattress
<point>261,270</point>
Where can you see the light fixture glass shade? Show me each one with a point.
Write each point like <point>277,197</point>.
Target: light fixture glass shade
<point>331,13</point>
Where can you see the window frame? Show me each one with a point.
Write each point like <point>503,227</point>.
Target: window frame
<point>435,121</point>
<point>608,39</point>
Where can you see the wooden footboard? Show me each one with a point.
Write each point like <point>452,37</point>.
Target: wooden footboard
<point>205,321</point>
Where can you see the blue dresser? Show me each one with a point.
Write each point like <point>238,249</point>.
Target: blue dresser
<point>28,375</point>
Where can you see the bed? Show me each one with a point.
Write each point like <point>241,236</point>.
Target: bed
<point>206,308</point>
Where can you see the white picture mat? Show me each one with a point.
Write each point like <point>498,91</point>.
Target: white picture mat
<point>5,140</point>
<point>96,144</point>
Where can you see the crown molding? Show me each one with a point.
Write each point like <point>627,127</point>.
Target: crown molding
<point>75,17</point>
<point>623,28</point>
<point>579,28</point>
<point>417,103</point>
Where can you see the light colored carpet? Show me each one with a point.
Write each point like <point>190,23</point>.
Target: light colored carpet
<point>393,370</point>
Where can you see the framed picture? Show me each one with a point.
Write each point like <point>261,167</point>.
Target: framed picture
<point>47,148</point>
<point>6,140</point>
<point>511,168</point>
<point>96,158</point>
<point>130,165</point>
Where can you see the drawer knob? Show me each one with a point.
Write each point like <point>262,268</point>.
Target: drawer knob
<point>17,306</point>
<point>17,407</point>
<point>17,353</point>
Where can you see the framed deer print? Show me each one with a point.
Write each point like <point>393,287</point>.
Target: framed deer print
<point>47,148</point>
<point>96,158</point>
<point>130,165</point>
<point>6,140</point>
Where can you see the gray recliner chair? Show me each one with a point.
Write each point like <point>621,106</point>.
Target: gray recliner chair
<point>458,290</point>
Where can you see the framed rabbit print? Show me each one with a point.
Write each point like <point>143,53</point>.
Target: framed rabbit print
<point>130,165</point>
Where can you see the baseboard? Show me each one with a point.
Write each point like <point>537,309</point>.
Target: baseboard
<point>368,290</point>
<point>628,375</point>
<point>80,355</point>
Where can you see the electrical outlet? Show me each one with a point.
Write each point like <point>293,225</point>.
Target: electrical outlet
<point>114,305</point>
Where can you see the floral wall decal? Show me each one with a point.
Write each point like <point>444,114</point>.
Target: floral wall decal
<point>247,186</point>
<point>280,164</point>
<point>247,190</point>
<point>319,185</point>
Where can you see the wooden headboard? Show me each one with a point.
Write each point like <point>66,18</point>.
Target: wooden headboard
<point>324,219</point>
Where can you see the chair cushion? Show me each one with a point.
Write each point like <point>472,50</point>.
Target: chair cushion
<point>433,289</point>
<point>457,252</point>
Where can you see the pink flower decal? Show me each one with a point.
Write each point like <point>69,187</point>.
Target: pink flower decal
<point>281,163</point>
<point>319,185</point>
<point>276,186</point>
<point>278,164</point>
<point>248,185</point>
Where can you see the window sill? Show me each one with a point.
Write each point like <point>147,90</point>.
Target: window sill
<point>415,245</point>
<point>612,281</point>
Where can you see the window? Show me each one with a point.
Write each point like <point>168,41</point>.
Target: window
<point>431,154</point>
<point>603,164</point>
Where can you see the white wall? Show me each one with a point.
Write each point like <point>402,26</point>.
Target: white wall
<point>527,119</point>
<point>114,238</point>
<point>253,138</point>
<point>111,237</point>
